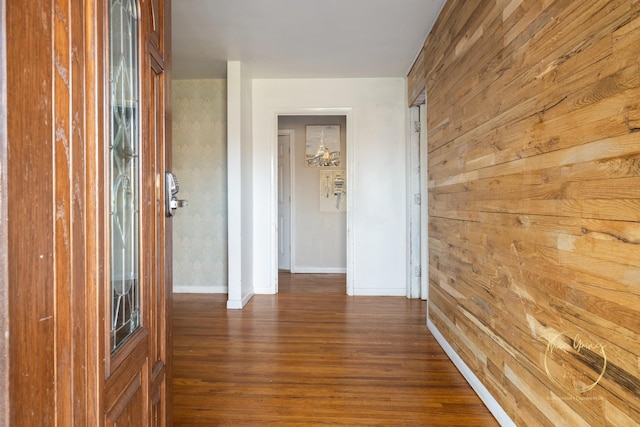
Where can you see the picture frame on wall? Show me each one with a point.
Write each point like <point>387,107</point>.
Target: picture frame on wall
<point>332,190</point>
<point>322,146</point>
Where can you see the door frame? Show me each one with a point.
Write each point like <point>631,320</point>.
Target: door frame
<point>273,211</point>
<point>424,191</point>
<point>414,205</point>
<point>4,282</point>
<point>292,240</point>
<point>417,158</point>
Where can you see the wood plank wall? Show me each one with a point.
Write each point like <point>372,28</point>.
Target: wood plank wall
<point>417,80</point>
<point>533,113</point>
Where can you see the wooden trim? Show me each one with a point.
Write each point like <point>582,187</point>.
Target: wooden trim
<point>4,282</point>
<point>121,404</point>
<point>94,199</point>
<point>31,210</point>
<point>417,80</point>
<point>117,358</point>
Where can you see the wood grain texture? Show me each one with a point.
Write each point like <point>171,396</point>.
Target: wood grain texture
<point>162,414</point>
<point>534,204</point>
<point>95,204</point>
<point>31,211</point>
<point>52,221</point>
<point>46,208</point>
<point>313,356</point>
<point>417,80</point>
<point>4,263</point>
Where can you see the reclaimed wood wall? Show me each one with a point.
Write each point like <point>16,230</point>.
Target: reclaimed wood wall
<point>533,113</point>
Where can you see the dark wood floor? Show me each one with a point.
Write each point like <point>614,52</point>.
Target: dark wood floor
<point>313,356</point>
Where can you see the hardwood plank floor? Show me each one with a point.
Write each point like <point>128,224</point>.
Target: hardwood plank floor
<point>313,356</point>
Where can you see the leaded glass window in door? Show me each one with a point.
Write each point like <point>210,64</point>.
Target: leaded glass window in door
<point>124,168</point>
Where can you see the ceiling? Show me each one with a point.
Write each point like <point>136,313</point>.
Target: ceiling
<point>299,38</point>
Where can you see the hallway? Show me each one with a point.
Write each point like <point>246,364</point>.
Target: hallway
<point>312,355</point>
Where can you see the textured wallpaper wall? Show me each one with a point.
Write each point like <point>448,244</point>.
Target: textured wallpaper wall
<point>199,161</point>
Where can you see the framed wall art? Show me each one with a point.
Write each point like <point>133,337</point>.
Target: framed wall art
<point>332,190</point>
<point>322,146</point>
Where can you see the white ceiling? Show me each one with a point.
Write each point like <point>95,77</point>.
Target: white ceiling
<point>299,38</point>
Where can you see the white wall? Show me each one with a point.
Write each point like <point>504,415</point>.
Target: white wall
<point>376,175</point>
<point>240,191</point>
<point>199,160</point>
<point>247,184</point>
<point>320,238</point>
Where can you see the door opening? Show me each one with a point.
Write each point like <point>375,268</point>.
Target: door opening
<point>312,194</point>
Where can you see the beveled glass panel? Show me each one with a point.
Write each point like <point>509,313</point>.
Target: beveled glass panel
<point>124,166</point>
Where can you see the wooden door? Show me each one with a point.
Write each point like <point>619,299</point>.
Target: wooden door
<point>77,153</point>
<point>137,342</point>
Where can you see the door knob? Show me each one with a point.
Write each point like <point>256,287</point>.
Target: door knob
<point>171,188</point>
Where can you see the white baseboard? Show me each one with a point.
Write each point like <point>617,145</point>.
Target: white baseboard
<point>379,292</point>
<point>318,270</point>
<point>200,290</point>
<point>239,304</point>
<point>490,402</point>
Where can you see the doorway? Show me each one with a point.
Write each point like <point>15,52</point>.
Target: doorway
<point>312,198</point>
